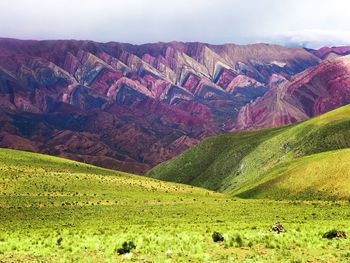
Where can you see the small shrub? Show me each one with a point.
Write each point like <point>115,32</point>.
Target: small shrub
<point>334,234</point>
<point>59,241</point>
<point>277,228</point>
<point>239,241</point>
<point>217,237</point>
<point>126,248</point>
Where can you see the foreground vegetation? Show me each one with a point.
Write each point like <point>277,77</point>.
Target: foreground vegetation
<point>57,210</point>
<point>237,163</point>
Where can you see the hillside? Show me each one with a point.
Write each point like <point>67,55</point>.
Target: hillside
<point>45,198</point>
<point>238,161</point>
<point>130,107</point>
<point>318,176</point>
<point>315,91</point>
<point>36,180</point>
<point>331,52</point>
<point>56,210</point>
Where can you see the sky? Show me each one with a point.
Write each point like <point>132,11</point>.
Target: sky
<point>308,23</point>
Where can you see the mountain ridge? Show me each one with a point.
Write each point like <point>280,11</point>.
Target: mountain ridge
<point>168,96</point>
<point>312,92</point>
<point>251,163</point>
<point>128,106</point>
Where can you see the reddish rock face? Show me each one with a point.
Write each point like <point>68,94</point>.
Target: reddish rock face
<point>130,107</point>
<point>331,52</point>
<point>315,91</point>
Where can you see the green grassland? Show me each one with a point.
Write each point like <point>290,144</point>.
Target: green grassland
<point>318,176</point>
<point>56,210</point>
<point>237,163</point>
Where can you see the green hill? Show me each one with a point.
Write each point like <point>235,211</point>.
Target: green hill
<point>318,176</point>
<point>239,161</point>
<point>35,180</point>
<point>56,210</point>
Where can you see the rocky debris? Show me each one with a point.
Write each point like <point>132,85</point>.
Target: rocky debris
<point>277,228</point>
<point>334,234</point>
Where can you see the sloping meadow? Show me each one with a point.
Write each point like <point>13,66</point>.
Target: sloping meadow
<point>57,210</point>
<point>240,161</point>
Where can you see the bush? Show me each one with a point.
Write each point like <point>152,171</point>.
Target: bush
<point>59,241</point>
<point>239,241</point>
<point>126,248</point>
<point>277,228</point>
<point>334,234</point>
<point>217,237</point>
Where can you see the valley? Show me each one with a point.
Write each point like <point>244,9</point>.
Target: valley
<point>188,131</point>
<point>62,211</point>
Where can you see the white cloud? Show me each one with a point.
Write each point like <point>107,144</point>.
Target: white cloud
<point>213,21</point>
<point>313,38</point>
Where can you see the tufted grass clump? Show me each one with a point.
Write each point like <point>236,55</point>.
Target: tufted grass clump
<point>217,237</point>
<point>126,248</point>
<point>334,233</point>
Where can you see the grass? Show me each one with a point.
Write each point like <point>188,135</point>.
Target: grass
<point>237,162</point>
<point>318,176</point>
<point>57,210</point>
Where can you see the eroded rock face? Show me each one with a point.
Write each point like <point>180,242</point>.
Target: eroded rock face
<point>315,91</point>
<point>331,52</point>
<point>130,107</point>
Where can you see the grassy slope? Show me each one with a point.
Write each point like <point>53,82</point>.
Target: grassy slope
<point>93,211</point>
<point>318,176</point>
<point>237,162</point>
<point>36,180</point>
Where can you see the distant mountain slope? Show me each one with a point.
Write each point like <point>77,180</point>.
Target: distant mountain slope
<point>331,52</point>
<point>239,161</point>
<point>315,91</point>
<point>129,106</point>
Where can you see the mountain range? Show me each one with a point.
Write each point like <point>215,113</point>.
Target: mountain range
<point>310,93</point>
<point>130,107</point>
<point>307,160</point>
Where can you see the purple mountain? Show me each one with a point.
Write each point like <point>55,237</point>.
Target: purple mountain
<point>131,107</point>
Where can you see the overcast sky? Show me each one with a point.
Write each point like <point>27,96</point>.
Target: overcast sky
<point>311,23</point>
